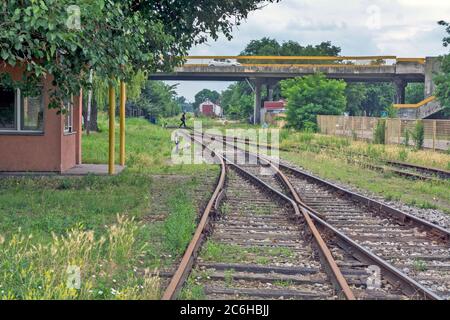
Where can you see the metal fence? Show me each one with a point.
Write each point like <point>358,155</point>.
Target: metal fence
<point>437,132</point>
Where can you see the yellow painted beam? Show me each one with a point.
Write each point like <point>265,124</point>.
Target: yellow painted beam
<point>122,121</point>
<point>295,57</point>
<point>193,65</point>
<point>112,111</point>
<point>416,60</point>
<point>416,105</point>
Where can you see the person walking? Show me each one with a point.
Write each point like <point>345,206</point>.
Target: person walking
<point>183,120</point>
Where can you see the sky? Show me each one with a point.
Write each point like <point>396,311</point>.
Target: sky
<point>403,28</point>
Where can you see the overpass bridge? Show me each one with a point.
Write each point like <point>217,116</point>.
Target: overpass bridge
<point>268,70</point>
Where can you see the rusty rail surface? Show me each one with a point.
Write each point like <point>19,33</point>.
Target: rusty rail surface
<point>325,251</point>
<point>191,252</point>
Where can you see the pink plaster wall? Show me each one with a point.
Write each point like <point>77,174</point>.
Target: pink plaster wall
<point>49,151</point>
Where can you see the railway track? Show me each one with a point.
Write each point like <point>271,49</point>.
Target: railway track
<point>421,171</point>
<point>252,214</point>
<point>411,245</point>
<point>407,170</point>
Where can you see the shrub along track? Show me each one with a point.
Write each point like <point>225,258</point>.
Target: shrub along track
<point>259,224</point>
<point>411,246</point>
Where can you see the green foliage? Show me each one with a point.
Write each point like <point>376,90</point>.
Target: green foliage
<point>442,80</point>
<point>407,136</point>
<point>271,47</point>
<point>158,99</point>
<point>418,135</point>
<point>369,99</point>
<point>310,96</point>
<point>116,38</point>
<point>238,101</point>
<point>180,225</point>
<point>415,92</point>
<point>391,111</point>
<point>379,135</point>
<point>403,155</point>
<point>356,94</point>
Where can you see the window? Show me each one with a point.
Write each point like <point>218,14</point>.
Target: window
<point>7,110</point>
<point>18,113</point>
<point>68,116</point>
<point>32,114</point>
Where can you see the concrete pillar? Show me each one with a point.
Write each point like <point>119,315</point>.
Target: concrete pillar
<point>400,89</point>
<point>269,91</point>
<point>432,66</point>
<point>257,108</point>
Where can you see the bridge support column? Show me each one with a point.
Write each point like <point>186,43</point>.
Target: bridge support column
<point>400,89</point>
<point>269,92</point>
<point>257,108</point>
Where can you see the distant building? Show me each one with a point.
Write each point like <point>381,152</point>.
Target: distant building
<point>275,106</point>
<point>210,109</point>
<point>274,112</point>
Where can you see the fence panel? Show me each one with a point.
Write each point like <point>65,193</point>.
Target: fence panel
<point>437,132</point>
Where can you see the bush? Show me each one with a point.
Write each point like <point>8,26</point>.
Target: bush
<point>407,135</point>
<point>380,132</point>
<point>310,96</point>
<point>418,135</point>
<point>403,155</point>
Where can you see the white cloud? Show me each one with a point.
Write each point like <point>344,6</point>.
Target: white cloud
<point>406,28</point>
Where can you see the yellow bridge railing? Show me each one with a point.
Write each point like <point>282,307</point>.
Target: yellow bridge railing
<point>373,59</point>
<point>415,105</point>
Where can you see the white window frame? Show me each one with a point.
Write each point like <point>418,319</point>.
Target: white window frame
<point>69,117</point>
<point>17,118</point>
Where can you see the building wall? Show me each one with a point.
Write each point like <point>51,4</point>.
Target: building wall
<point>47,151</point>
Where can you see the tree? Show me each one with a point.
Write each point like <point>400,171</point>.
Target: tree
<point>415,92</point>
<point>270,47</point>
<point>310,96</point>
<point>237,101</point>
<point>184,104</point>
<point>116,39</point>
<point>442,80</point>
<point>204,95</point>
<point>379,96</point>
<point>158,100</point>
<point>355,93</point>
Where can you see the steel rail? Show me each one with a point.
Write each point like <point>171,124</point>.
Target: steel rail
<point>440,172</point>
<point>331,265</point>
<point>394,275</point>
<point>323,248</point>
<point>400,216</point>
<point>191,252</point>
<point>189,256</point>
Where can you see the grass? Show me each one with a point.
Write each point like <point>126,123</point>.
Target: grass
<point>420,265</point>
<point>93,267</point>
<point>422,194</point>
<point>228,253</point>
<point>306,141</point>
<point>118,230</point>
